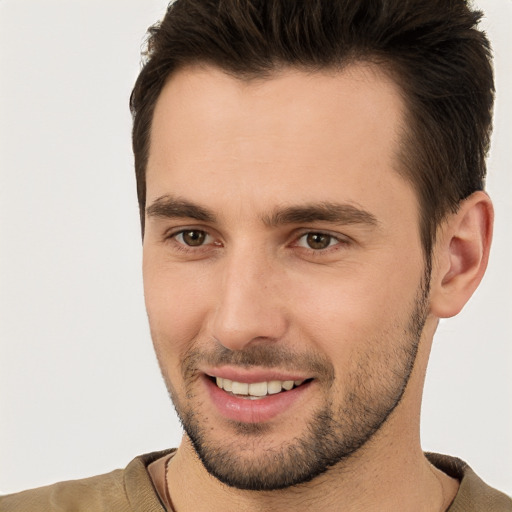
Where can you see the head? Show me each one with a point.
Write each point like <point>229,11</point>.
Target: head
<point>432,50</point>
<point>298,161</point>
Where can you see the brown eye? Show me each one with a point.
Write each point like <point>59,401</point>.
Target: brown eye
<point>193,238</point>
<point>318,241</point>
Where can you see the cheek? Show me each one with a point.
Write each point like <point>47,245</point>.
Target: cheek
<point>350,313</point>
<point>175,304</point>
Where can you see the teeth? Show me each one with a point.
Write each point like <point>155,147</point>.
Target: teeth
<point>274,386</point>
<point>288,384</point>
<point>256,389</point>
<point>240,388</point>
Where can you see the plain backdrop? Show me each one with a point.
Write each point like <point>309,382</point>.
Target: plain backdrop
<point>80,391</point>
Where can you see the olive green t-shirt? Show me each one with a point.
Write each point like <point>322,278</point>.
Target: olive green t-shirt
<point>131,490</point>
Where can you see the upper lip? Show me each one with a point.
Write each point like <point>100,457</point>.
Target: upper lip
<point>254,374</point>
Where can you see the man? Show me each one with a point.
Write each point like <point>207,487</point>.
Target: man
<point>310,180</point>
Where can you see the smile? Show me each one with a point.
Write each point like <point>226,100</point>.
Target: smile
<point>260,400</point>
<point>256,390</point>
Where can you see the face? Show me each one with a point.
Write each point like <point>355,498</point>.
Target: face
<point>283,270</point>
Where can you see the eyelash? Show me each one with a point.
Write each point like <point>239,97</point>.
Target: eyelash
<point>184,247</point>
<point>332,238</point>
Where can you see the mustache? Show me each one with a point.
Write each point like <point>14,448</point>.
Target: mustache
<point>269,356</point>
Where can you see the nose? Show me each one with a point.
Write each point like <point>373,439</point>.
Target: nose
<point>248,308</point>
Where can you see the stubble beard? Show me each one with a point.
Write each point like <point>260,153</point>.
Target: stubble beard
<point>333,434</point>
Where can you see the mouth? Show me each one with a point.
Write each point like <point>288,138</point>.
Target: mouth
<point>257,390</point>
<point>256,395</point>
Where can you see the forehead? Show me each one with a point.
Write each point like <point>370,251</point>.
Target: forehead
<point>330,135</point>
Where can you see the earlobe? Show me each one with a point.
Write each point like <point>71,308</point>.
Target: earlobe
<point>461,254</point>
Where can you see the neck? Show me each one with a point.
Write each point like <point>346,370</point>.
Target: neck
<point>402,480</point>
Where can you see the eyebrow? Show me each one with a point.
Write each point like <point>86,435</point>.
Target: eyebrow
<point>171,207</point>
<point>335,213</point>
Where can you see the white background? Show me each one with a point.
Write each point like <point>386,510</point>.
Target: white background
<point>80,391</point>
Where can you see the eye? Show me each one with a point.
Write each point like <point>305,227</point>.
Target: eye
<point>193,237</point>
<point>317,241</point>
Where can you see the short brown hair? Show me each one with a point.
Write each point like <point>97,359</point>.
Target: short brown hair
<point>432,48</point>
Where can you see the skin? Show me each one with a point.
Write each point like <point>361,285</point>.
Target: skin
<point>242,151</point>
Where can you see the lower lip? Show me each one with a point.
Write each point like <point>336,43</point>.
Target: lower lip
<point>247,410</point>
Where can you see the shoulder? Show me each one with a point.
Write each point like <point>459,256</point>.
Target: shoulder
<point>99,493</point>
<point>122,490</point>
<point>474,494</point>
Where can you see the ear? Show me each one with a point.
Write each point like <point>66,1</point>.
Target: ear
<point>461,253</point>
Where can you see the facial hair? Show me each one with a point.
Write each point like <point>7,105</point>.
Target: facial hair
<point>335,431</point>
